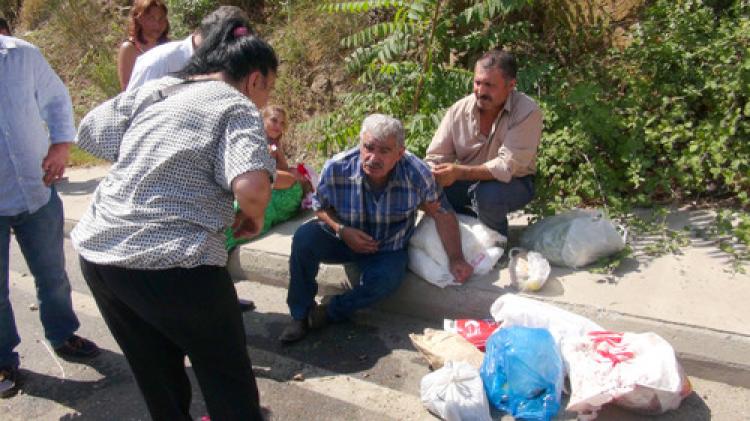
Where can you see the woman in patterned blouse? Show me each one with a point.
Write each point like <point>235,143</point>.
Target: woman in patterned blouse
<point>152,244</point>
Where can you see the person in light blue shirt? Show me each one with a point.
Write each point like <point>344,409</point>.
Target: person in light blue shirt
<point>36,131</point>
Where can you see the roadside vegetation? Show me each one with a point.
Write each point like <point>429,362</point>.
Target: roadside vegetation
<point>646,102</point>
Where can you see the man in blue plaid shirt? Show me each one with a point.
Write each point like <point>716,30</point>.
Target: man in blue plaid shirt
<point>366,205</point>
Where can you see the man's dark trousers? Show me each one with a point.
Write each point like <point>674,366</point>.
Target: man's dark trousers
<point>491,201</point>
<point>314,243</point>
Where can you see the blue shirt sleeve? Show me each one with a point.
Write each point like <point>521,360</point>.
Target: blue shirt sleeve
<point>322,197</point>
<point>53,100</point>
<point>428,190</point>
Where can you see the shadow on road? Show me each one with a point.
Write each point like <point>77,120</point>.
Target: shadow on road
<point>114,396</point>
<point>351,347</point>
<point>74,188</point>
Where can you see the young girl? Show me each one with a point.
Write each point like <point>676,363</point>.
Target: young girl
<point>290,185</point>
<point>147,27</point>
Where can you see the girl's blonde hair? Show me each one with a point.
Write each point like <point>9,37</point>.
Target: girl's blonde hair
<point>270,110</point>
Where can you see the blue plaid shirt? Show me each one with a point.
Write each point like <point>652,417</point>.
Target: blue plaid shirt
<point>387,215</point>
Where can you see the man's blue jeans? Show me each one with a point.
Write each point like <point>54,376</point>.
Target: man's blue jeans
<point>490,201</point>
<point>40,237</point>
<point>314,243</point>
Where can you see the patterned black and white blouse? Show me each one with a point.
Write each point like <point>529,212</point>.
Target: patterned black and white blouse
<point>167,197</point>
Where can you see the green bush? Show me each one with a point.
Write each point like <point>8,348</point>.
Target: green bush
<point>663,120</point>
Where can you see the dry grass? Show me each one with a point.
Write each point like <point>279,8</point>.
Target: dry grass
<point>308,46</point>
<point>79,39</point>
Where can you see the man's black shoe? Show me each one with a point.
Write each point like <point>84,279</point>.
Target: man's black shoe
<point>8,381</point>
<point>77,347</point>
<point>294,331</point>
<point>318,317</point>
<point>246,305</point>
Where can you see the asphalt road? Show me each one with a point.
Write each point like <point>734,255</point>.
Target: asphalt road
<point>365,369</point>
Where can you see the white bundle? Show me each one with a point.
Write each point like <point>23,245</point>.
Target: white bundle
<point>428,259</point>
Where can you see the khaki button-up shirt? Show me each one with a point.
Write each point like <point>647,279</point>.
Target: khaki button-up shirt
<point>510,149</point>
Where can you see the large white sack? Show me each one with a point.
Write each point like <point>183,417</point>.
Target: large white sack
<point>638,371</point>
<point>428,259</point>
<point>575,238</point>
<point>426,268</point>
<point>513,310</point>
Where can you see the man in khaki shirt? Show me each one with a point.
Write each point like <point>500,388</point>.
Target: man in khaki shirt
<point>484,152</point>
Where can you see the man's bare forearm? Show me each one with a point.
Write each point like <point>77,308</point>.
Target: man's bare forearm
<point>329,217</point>
<point>448,231</point>
<point>473,173</point>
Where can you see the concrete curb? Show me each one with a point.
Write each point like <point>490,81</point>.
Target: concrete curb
<point>706,353</point>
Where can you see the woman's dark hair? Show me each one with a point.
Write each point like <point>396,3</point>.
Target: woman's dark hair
<point>229,48</point>
<point>222,13</point>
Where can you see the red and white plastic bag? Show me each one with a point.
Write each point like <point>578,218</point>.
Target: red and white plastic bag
<point>638,371</point>
<point>475,331</point>
<point>312,176</point>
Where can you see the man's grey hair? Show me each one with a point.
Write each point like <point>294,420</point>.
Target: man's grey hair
<point>381,127</point>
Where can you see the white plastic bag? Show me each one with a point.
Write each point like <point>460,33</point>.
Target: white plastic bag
<point>636,371</point>
<point>428,259</point>
<point>455,393</point>
<point>513,310</point>
<point>575,238</point>
<point>529,270</point>
<point>426,268</point>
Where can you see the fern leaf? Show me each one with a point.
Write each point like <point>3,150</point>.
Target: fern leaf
<point>359,59</point>
<point>357,7</point>
<point>489,9</point>
<point>368,35</point>
<point>421,10</point>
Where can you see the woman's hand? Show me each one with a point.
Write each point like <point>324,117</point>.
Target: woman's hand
<point>252,191</point>
<point>245,228</point>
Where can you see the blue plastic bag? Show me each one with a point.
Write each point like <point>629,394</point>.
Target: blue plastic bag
<point>522,372</point>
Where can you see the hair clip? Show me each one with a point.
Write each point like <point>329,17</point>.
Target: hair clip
<point>240,32</point>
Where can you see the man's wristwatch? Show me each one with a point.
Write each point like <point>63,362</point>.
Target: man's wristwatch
<point>340,232</point>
